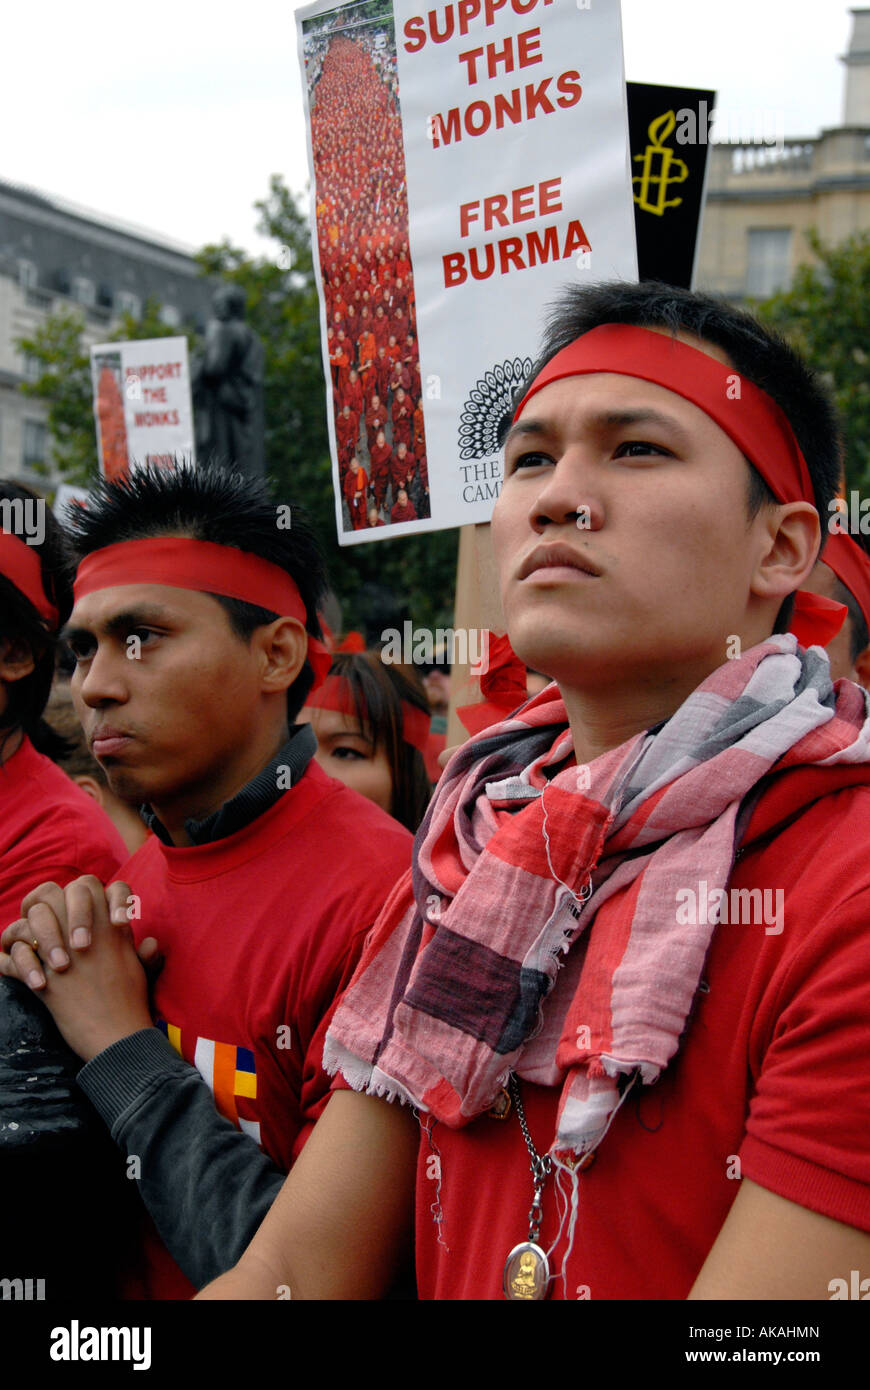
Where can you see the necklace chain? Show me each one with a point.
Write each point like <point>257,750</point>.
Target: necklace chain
<point>541,1166</point>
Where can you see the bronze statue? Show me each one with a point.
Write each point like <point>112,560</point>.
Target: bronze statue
<point>227,382</point>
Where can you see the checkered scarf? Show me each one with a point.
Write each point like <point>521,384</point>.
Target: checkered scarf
<point>493,967</point>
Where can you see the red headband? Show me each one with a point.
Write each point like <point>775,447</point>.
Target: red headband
<point>750,418</point>
<point>183,563</point>
<point>21,565</point>
<point>851,565</point>
<point>503,686</point>
<point>747,414</point>
<point>336,693</point>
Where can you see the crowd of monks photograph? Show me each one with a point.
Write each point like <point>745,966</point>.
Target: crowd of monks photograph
<point>368,285</point>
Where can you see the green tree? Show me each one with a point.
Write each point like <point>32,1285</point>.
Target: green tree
<point>826,316</point>
<point>64,383</point>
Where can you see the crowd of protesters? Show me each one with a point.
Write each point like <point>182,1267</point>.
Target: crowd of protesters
<point>518,975</point>
<point>362,229</point>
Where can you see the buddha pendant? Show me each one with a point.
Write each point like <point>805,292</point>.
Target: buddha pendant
<point>526,1273</point>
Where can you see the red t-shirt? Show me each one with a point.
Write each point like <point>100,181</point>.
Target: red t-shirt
<point>50,830</point>
<point>261,932</point>
<point>770,1083</point>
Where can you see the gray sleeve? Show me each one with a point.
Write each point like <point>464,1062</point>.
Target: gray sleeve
<point>206,1185</point>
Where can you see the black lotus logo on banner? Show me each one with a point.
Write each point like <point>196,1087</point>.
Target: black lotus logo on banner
<point>488,408</point>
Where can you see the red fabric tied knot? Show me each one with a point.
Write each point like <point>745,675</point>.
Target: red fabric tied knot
<point>815,621</point>
<point>503,685</point>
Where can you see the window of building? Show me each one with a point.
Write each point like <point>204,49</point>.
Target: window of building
<point>84,290</point>
<point>170,315</point>
<point>768,261</point>
<point>35,443</point>
<point>32,367</point>
<point>27,275</point>
<point>126,302</point>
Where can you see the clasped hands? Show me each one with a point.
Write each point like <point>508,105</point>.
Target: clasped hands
<point>74,948</point>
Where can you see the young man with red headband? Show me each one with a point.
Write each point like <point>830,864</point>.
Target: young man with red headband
<point>196,638</point>
<point>563,942</point>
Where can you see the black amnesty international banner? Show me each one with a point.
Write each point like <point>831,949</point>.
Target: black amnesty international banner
<point>467,162</point>
<point>668,130</point>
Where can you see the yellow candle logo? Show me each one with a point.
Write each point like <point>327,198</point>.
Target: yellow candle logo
<point>660,168</point>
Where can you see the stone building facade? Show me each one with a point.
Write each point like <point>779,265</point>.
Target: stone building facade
<point>56,256</point>
<point>763,195</point>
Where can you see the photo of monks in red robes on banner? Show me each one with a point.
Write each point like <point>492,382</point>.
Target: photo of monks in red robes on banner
<point>361,210</point>
<point>109,410</point>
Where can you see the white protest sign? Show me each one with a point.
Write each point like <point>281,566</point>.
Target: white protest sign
<point>464,171</point>
<point>142,404</point>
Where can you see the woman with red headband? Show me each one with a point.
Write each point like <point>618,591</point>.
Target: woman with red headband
<point>372,726</point>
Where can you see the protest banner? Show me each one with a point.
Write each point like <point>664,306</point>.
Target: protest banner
<point>668,132</point>
<point>467,162</point>
<point>142,404</point>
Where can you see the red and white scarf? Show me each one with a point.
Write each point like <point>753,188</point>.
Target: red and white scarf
<point>494,969</point>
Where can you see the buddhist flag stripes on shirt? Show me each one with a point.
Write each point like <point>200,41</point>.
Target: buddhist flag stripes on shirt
<point>229,1072</point>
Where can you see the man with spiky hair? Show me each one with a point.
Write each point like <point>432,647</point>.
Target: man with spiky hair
<point>196,639</point>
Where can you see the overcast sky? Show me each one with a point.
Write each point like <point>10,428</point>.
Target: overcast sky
<point>172,114</point>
